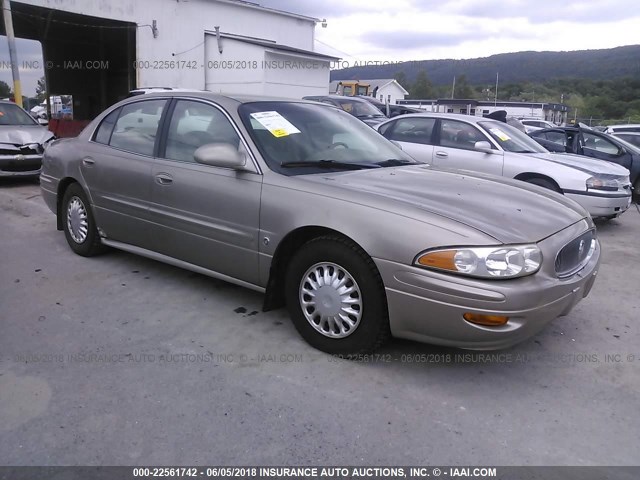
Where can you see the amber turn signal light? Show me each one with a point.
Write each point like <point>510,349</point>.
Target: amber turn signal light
<point>486,320</point>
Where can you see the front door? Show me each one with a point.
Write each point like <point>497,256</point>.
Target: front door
<point>455,148</point>
<point>207,216</point>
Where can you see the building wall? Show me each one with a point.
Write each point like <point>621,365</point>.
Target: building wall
<point>181,33</point>
<point>263,72</point>
<point>390,92</point>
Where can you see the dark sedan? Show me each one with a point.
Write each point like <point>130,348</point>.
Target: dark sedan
<point>356,106</point>
<point>393,110</point>
<point>591,143</point>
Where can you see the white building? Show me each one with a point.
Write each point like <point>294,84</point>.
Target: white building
<point>387,90</point>
<point>551,112</point>
<point>99,50</point>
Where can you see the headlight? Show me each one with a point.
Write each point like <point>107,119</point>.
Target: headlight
<point>507,261</point>
<point>599,183</point>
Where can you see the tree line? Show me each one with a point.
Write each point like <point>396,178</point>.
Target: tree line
<point>597,100</point>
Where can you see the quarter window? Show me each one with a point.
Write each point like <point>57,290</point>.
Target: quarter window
<point>103,135</point>
<point>137,127</point>
<point>412,130</point>
<point>194,124</point>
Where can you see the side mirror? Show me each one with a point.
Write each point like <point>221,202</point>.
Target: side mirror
<point>43,121</point>
<point>220,155</point>
<point>483,146</point>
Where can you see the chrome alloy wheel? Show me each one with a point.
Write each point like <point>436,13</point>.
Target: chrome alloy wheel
<point>331,300</point>
<point>77,220</point>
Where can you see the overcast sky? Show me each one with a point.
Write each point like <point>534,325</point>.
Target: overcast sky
<point>393,30</point>
<point>385,30</point>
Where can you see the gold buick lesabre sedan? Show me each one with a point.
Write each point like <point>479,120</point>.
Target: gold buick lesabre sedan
<point>314,208</point>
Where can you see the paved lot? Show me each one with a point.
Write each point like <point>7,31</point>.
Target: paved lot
<point>122,360</point>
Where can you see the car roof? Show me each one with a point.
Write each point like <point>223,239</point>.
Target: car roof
<point>227,100</point>
<point>625,125</point>
<point>337,97</point>
<point>452,116</point>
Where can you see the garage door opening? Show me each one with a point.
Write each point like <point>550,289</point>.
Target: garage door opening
<point>89,58</point>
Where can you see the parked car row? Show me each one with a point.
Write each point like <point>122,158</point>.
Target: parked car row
<point>359,239</point>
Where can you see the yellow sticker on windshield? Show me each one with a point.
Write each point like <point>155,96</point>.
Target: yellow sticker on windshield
<point>275,123</point>
<point>500,134</point>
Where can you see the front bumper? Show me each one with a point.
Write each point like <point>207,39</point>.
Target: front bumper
<point>20,165</point>
<point>428,306</point>
<point>602,205</point>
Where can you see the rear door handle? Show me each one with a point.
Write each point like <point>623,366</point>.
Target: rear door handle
<point>88,161</point>
<point>164,179</point>
<point>442,154</point>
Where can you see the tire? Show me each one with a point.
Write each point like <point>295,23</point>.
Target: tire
<point>543,182</point>
<point>367,327</point>
<point>78,222</point>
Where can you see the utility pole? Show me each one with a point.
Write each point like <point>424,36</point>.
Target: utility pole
<point>495,99</point>
<point>453,87</point>
<point>13,56</point>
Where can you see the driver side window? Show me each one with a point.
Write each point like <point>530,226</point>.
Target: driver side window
<point>599,144</point>
<point>461,135</point>
<point>194,124</point>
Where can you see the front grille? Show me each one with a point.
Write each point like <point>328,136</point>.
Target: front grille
<point>575,254</point>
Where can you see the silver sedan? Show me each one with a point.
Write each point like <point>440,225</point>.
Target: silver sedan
<point>309,205</point>
<point>483,145</point>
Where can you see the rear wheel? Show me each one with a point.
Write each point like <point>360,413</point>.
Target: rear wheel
<point>78,223</point>
<point>543,182</point>
<point>336,297</point>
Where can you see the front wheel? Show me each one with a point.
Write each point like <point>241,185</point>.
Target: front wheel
<point>336,297</point>
<point>78,223</point>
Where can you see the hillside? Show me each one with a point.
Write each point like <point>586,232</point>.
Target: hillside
<point>513,67</point>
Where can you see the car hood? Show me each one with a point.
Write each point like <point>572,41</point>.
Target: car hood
<point>23,135</point>
<point>508,210</point>
<point>588,165</point>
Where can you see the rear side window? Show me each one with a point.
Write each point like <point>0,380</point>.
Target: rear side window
<point>137,127</point>
<point>103,134</point>
<point>412,130</point>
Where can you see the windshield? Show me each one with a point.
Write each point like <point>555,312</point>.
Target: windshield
<point>511,139</point>
<point>301,138</point>
<point>11,114</point>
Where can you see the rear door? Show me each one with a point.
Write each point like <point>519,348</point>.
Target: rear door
<point>414,134</point>
<point>207,216</point>
<point>117,167</point>
<point>455,148</point>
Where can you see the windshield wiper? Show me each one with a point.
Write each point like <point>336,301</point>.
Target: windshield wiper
<point>329,164</point>
<point>397,162</point>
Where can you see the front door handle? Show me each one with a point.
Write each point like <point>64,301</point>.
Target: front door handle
<point>88,161</point>
<point>442,154</point>
<point>164,179</point>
